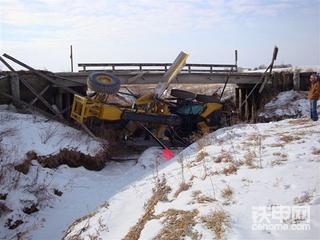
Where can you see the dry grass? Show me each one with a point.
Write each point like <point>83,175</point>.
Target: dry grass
<point>7,133</point>
<point>279,154</point>
<point>299,121</point>
<point>198,197</point>
<point>224,157</point>
<point>316,151</point>
<point>305,198</point>
<point>253,137</point>
<point>177,224</point>
<point>201,155</point>
<point>183,187</point>
<point>249,158</point>
<point>230,169</point>
<point>281,158</point>
<point>289,138</point>
<point>227,193</point>
<point>276,145</point>
<point>4,209</point>
<point>159,194</point>
<point>218,221</point>
<point>77,236</point>
<point>25,165</point>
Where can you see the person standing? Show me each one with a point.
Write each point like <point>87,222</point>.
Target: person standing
<point>314,95</point>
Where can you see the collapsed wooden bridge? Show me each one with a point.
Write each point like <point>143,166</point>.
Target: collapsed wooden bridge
<point>52,93</point>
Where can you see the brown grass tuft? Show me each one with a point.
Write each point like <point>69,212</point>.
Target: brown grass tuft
<point>279,154</point>
<point>224,157</point>
<point>4,209</point>
<point>276,145</point>
<point>201,155</point>
<point>249,159</point>
<point>183,187</point>
<point>230,169</point>
<point>177,224</point>
<point>159,193</point>
<point>316,151</point>
<point>218,221</point>
<point>289,138</point>
<point>25,165</point>
<point>304,198</point>
<point>198,197</point>
<point>227,193</point>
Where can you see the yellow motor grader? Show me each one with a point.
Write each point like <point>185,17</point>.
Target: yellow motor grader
<point>174,118</point>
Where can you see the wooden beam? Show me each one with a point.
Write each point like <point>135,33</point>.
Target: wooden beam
<point>43,100</point>
<point>41,93</point>
<point>136,77</point>
<point>15,87</point>
<point>48,115</point>
<point>40,74</point>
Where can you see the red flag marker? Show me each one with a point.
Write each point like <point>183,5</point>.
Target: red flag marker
<point>167,154</point>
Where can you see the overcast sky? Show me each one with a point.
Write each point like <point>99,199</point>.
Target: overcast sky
<point>40,32</point>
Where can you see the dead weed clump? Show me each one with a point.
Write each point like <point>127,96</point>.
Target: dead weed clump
<point>198,197</point>
<point>183,187</point>
<point>316,151</point>
<point>227,193</point>
<point>4,209</point>
<point>74,158</point>
<point>177,224</point>
<point>249,158</point>
<point>305,198</point>
<point>223,157</point>
<point>201,155</point>
<point>218,221</point>
<point>281,158</point>
<point>230,169</point>
<point>11,224</point>
<point>289,138</point>
<point>25,165</point>
<point>159,194</point>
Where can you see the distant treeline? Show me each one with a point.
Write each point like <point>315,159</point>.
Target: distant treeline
<point>274,66</point>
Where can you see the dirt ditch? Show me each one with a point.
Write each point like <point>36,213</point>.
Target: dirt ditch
<point>71,157</point>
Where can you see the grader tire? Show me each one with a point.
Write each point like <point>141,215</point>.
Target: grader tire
<point>103,83</point>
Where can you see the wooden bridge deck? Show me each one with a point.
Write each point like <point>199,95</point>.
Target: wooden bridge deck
<point>145,77</point>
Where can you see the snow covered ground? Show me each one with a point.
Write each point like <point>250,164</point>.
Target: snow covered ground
<point>289,104</point>
<point>82,190</point>
<point>215,187</point>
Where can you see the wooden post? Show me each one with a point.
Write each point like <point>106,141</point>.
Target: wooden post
<point>253,109</point>
<point>71,58</point>
<point>242,96</point>
<point>236,59</point>
<point>59,99</point>
<point>296,81</point>
<point>275,80</point>
<point>246,108</point>
<point>15,88</point>
<point>237,96</point>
